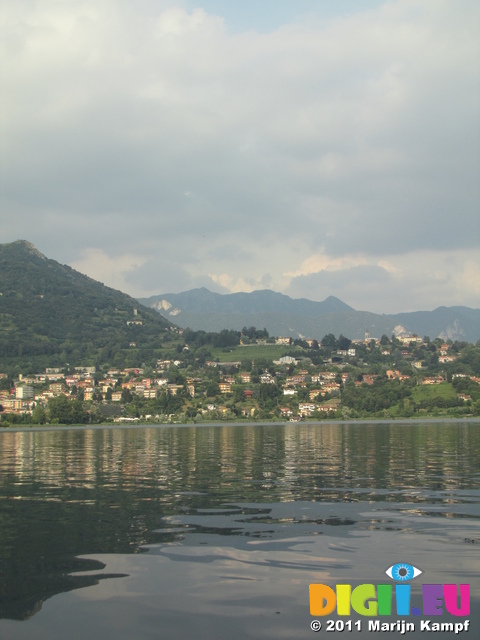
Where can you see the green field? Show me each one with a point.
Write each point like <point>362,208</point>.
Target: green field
<point>427,391</point>
<point>254,352</point>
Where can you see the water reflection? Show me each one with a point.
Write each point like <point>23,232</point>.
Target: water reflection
<point>71,493</point>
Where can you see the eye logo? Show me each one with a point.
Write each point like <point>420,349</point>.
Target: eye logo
<point>402,572</point>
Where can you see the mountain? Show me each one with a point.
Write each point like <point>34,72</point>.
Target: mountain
<point>51,314</point>
<point>205,301</point>
<point>285,316</point>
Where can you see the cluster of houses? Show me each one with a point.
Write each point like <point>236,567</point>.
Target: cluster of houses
<point>304,391</point>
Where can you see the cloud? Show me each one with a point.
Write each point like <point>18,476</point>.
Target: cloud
<point>426,277</point>
<point>147,129</point>
<point>100,266</point>
<point>323,262</point>
<point>227,284</point>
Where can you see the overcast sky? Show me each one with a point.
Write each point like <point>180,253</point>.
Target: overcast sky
<point>313,147</point>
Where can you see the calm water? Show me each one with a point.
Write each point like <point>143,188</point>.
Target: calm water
<point>216,532</point>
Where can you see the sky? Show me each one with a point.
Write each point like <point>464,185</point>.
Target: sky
<point>312,147</point>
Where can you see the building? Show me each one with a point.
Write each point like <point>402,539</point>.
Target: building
<point>24,392</point>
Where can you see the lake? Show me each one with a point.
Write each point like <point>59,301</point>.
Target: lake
<point>217,531</point>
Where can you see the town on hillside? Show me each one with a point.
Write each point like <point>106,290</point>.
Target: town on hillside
<point>249,375</point>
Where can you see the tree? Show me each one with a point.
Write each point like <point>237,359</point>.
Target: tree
<point>343,342</point>
<point>79,415</point>
<point>126,396</point>
<point>212,389</point>
<point>39,415</point>
<point>238,395</point>
<point>60,410</point>
<point>329,341</point>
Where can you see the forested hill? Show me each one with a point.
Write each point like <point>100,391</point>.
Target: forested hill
<point>51,314</point>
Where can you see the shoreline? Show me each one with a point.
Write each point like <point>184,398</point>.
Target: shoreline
<point>219,423</point>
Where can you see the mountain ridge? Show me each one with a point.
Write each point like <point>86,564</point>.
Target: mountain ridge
<point>201,309</point>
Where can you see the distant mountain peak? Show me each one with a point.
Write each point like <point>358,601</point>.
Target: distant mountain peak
<point>333,301</point>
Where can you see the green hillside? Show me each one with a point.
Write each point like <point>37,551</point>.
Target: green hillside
<point>51,315</point>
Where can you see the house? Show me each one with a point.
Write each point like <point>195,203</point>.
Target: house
<point>433,380</point>
<point>174,388</point>
<point>408,339</point>
<point>285,360</point>
<point>330,387</point>
<point>289,392</point>
<point>391,375</point>
<point>306,408</point>
<point>294,380</point>
<point>149,394</point>
<point>267,378</point>
<point>328,406</point>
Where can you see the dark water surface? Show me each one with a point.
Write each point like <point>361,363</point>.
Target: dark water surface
<point>217,532</point>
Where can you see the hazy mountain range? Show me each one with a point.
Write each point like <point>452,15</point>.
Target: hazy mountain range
<point>49,312</point>
<point>285,316</point>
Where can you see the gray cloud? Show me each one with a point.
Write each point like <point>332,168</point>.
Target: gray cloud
<point>354,285</point>
<point>237,155</point>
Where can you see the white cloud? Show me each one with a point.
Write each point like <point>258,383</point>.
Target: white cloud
<point>231,285</point>
<point>323,262</point>
<point>110,270</point>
